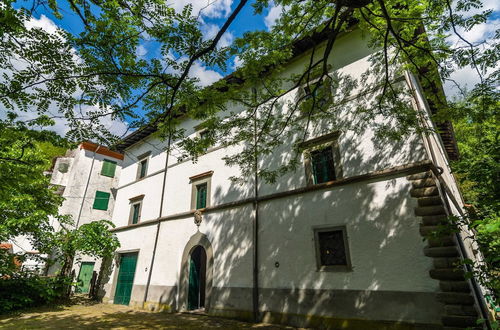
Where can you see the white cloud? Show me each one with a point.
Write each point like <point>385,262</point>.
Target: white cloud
<point>237,62</point>
<point>210,31</point>
<point>206,8</point>
<point>478,33</point>
<point>273,15</point>
<point>141,51</point>
<point>206,76</point>
<point>43,22</point>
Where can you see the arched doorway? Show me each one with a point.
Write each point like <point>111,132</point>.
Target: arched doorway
<point>198,256</point>
<point>197,278</point>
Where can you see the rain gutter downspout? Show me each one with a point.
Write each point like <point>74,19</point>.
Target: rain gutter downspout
<point>146,291</point>
<point>255,232</point>
<point>86,187</point>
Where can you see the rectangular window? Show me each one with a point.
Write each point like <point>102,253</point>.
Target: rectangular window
<point>322,161</point>
<point>108,168</point>
<point>101,200</point>
<point>135,213</point>
<point>200,191</point>
<point>322,165</point>
<point>332,251</point>
<point>143,169</point>
<point>201,196</point>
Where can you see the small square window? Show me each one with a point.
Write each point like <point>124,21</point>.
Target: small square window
<point>332,251</point>
<point>143,169</point>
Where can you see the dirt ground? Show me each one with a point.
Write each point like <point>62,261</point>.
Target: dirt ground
<point>108,316</point>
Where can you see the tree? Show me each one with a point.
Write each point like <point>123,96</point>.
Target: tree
<point>96,73</point>
<point>478,171</point>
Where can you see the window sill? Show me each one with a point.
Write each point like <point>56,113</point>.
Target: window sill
<point>338,268</point>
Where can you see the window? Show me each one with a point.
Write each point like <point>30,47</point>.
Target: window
<point>101,200</point>
<point>200,197</point>
<point>143,169</point>
<point>323,169</point>
<point>108,168</point>
<point>136,213</point>
<point>322,159</point>
<point>135,209</point>
<point>315,93</point>
<point>332,252</point>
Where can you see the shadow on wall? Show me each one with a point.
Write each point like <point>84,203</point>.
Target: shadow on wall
<point>389,280</point>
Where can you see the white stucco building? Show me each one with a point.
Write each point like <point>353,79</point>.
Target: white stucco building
<point>339,242</point>
<point>87,178</point>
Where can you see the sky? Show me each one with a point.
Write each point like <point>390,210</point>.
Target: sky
<point>214,15</point>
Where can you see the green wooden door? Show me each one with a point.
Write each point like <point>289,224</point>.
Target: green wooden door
<point>194,286</point>
<point>84,277</point>
<point>128,261</point>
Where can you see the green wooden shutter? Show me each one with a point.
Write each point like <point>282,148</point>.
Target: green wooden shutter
<point>101,200</point>
<point>201,196</point>
<point>108,168</point>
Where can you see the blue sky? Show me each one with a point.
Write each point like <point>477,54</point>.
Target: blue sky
<point>214,15</point>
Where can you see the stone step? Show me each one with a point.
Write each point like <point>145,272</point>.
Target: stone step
<point>424,192</point>
<point>430,210</point>
<point>419,176</point>
<point>441,251</point>
<point>447,274</point>
<point>454,286</point>
<point>445,262</point>
<point>455,298</point>
<point>434,231</point>
<point>459,321</point>
<point>427,201</point>
<point>433,220</point>
<point>420,183</point>
<point>441,241</point>
<point>460,310</point>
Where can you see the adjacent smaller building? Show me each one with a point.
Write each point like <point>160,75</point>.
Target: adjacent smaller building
<point>86,177</point>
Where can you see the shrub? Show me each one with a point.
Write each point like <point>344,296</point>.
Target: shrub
<point>25,290</point>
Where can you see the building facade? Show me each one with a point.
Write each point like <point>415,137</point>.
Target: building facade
<point>87,178</point>
<point>337,243</point>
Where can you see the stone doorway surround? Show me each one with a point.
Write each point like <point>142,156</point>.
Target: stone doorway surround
<point>195,240</point>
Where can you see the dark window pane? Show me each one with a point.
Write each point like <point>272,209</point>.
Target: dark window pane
<point>332,248</point>
<point>201,196</point>
<point>322,165</point>
<point>135,212</point>
<point>143,167</point>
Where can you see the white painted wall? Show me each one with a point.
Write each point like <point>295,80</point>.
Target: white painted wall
<point>386,247</point>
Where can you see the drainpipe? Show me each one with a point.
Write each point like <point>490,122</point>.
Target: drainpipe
<point>255,291</point>
<point>159,222</point>
<point>86,187</point>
